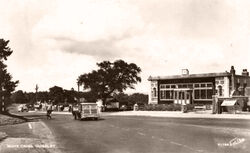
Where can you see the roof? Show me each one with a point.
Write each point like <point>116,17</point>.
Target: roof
<point>202,75</point>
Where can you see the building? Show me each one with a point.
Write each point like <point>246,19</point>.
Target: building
<point>198,89</point>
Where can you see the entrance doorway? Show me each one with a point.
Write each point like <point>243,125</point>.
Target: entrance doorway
<point>183,96</point>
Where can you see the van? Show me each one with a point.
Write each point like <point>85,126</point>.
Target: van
<point>86,110</point>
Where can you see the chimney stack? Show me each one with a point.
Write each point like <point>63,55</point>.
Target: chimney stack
<point>185,72</point>
<point>245,73</point>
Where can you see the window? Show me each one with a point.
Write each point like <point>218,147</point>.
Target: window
<point>168,94</point>
<point>209,85</point>
<point>220,90</point>
<point>171,94</point>
<point>184,86</point>
<point>209,93</point>
<point>203,85</point>
<point>196,85</point>
<point>162,95</point>
<point>203,94</point>
<point>154,92</point>
<point>172,86</point>
<point>196,94</point>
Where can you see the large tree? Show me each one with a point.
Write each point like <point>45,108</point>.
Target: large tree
<point>6,83</point>
<point>56,93</point>
<point>19,97</point>
<point>110,78</point>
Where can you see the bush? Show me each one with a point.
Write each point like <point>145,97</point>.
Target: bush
<point>161,107</point>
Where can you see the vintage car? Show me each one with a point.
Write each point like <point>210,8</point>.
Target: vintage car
<point>86,110</point>
<point>22,108</point>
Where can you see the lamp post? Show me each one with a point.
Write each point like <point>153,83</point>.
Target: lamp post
<point>78,90</point>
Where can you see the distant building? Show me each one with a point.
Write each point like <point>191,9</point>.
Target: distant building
<point>198,88</point>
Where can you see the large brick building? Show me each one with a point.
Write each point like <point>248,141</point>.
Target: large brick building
<point>198,88</point>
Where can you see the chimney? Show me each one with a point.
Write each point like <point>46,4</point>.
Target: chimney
<point>232,71</point>
<point>185,72</point>
<point>245,73</point>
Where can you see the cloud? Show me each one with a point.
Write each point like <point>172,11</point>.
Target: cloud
<point>90,27</point>
<point>161,37</point>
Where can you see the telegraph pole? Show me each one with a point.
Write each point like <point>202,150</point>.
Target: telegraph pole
<point>36,91</point>
<point>2,98</point>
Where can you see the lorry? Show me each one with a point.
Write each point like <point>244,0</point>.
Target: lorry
<point>85,111</point>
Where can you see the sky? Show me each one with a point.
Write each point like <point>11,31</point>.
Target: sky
<point>55,41</point>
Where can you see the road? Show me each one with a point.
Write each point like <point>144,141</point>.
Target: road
<point>149,135</point>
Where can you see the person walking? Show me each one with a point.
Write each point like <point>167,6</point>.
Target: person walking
<point>49,111</point>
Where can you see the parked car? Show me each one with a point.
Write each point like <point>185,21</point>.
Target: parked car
<point>22,108</point>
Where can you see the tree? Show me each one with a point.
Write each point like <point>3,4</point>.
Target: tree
<point>19,97</point>
<point>56,93</point>
<point>138,98</point>
<point>110,78</point>
<point>6,84</point>
<point>122,98</point>
<point>69,96</point>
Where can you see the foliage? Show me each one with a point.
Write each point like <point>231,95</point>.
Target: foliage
<point>6,84</point>
<point>56,94</point>
<point>138,98</point>
<point>69,96</point>
<point>122,98</point>
<point>110,78</point>
<point>125,99</point>
<point>162,107</point>
<point>19,97</point>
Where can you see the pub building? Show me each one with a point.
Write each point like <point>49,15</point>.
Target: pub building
<point>198,89</point>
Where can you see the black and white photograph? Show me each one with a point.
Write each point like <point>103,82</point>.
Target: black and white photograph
<point>124,76</point>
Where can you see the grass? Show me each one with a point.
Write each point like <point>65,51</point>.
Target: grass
<point>9,119</point>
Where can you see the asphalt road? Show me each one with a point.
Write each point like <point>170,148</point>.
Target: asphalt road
<point>149,135</point>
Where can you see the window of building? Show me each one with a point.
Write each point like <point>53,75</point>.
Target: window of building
<point>203,94</point>
<point>154,92</point>
<point>184,86</point>
<point>209,85</point>
<point>203,85</point>
<point>190,85</point>
<point>209,93</point>
<point>196,85</point>
<point>196,94</point>
<point>220,90</point>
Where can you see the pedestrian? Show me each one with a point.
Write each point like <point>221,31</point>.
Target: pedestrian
<point>49,111</point>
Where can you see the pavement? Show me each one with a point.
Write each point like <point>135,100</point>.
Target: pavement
<point>3,135</point>
<point>171,114</point>
<point>179,114</point>
<point>30,137</point>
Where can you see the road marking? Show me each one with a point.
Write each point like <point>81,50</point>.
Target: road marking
<point>233,142</point>
<point>141,133</point>
<point>29,125</point>
<point>161,139</point>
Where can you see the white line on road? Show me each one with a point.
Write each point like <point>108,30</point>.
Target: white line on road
<point>141,133</point>
<point>29,125</point>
